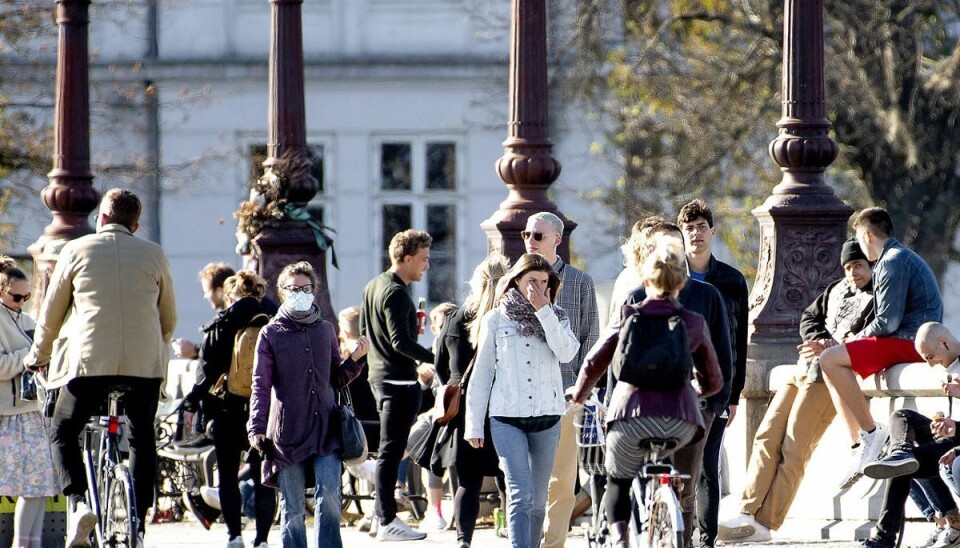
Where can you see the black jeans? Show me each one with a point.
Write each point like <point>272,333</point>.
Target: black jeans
<point>229,440</point>
<point>907,428</point>
<point>398,406</point>
<point>708,489</point>
<point>85,397</point>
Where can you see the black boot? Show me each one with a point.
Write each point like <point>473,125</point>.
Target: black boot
<point>619,534</point>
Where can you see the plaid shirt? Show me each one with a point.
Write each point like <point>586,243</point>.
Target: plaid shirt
<point>578,299</point>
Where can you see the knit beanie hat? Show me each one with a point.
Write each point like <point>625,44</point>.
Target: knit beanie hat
<point>851,252</point>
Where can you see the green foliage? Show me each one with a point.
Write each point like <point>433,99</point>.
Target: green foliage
<point>693,90</point>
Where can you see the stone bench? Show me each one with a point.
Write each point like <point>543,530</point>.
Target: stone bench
<point>821,510</point>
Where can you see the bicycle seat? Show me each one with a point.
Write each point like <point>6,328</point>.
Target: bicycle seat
<point>658,445</point>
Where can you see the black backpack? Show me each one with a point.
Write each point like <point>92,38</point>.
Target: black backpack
<point>653,352</point>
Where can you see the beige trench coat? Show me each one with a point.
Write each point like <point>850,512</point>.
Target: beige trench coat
<point>109,309</point>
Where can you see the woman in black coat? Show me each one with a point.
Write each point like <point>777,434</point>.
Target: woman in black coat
<point>454,354</point>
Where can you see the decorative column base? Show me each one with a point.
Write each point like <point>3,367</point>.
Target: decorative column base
<point>286,242</point>
<point>801,236</point>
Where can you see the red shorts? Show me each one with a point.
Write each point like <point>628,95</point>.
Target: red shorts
<point>872,354</point>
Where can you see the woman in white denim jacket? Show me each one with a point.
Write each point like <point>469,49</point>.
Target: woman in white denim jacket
<point>516,379</point>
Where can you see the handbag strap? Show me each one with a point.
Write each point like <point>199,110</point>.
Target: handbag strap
<point>466,374</point>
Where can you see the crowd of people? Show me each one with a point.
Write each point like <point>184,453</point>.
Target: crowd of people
<point>526,348</point>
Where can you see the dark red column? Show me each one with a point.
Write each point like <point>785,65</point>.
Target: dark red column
<point>527,166</point>
<point>803,224</point>
<point>286,241</point>
<point>70,196</point>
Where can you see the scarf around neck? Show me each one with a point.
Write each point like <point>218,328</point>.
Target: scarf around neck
<point>519,310</point>
<point>309,317</point>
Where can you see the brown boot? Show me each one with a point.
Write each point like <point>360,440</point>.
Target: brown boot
<point>619,534</point>
<point>688,529</point>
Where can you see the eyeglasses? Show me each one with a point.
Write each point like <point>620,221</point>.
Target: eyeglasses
<point>526,234</point>
<point>300,288</point>
<point>17,297</point>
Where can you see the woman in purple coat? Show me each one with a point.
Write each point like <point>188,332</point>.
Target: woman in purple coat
<point>293,412</point>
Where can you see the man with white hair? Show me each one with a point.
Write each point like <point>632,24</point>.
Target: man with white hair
<point>578,298</point>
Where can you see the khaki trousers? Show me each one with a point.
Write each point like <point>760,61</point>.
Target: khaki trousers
<point>797,417</point>
<point>560,496</point>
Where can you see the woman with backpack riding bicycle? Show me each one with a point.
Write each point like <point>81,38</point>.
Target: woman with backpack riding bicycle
<point>226,366</point>
<point>516,381</point>
<point>294,418</point>
<point>660,400</point>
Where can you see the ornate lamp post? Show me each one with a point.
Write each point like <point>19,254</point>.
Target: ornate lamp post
<point>282,242</point>
<point>803,223</point>
<point>527,165</point>
<point>70,196</point>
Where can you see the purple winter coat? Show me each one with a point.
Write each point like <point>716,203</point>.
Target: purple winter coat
<point>292,400</point>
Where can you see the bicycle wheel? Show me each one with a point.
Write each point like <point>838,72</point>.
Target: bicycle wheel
<point>665,528</point>
<point>120,510</point>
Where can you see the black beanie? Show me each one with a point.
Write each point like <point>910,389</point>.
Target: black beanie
<point>851,252</point>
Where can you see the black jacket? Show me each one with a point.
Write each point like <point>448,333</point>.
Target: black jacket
<point>389,320</point>
<point>216,350</point>
<point>704,299</point>
<point>733,288</point>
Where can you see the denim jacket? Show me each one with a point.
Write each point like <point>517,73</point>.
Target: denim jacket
<point>905,294</point>
<point>516,375</point>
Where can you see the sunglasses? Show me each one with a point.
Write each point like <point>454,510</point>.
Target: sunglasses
<point>526,235</point>
<point>300,288</point>
<point>17,297</point>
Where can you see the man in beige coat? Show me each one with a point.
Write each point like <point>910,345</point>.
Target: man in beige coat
<point>106,321</point>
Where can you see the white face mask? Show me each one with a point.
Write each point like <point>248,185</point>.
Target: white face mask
<point>301,302</point>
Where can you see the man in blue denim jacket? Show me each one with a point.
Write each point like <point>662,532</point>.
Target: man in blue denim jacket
<point>906,296</point>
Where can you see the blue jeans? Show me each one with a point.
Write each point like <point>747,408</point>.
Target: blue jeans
<point>326,525</point>
<point>526,459</point>
<point>951,476</point>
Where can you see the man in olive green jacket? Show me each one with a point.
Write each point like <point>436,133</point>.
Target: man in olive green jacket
<point>106,322</point>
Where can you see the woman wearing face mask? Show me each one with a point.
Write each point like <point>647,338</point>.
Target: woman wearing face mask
<point>242,294</point>
<point>293,413</point>
<point>516,379</point>
<point>22,434</point>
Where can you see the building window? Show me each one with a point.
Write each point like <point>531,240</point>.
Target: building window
<point>418,182</point>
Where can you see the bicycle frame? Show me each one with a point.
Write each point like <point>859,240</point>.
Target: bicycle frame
<point>104,467</point>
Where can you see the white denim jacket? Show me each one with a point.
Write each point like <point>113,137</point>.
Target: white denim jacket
<point>518,376</point>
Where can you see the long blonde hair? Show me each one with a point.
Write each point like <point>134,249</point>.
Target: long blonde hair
<point>483,290</point>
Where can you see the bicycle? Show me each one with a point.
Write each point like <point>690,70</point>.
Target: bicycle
<point>110,492</point>
<point>656,519</point>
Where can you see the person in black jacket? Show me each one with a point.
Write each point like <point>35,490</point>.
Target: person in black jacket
<point>696,221</point>
<point>243,293</point>
<point>704,299</point>
<point>802,410</point>
<point>389,320</point>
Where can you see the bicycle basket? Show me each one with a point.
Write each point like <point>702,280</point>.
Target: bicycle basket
<point>591,440</point>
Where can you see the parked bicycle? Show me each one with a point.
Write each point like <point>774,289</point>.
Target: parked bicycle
<point>110,485</point>
<point>656,519</point>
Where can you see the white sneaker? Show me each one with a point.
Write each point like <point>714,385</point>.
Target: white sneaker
<point>397,530</point>
<point>949,537</point>
<point>853,473</point>
<point>261,545</point>
<point>739,527</point>
<point>374,526</point>
<point>871,444</point>
<point>211,496</point>
<point>433,521</point>
<point>363,524</point>
<point>81,522</point>
<point>235,542</point>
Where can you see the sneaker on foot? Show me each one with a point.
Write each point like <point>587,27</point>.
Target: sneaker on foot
<point>853,473</point>
<point>871,444</point>
<point>363,525</point>
<point>81,523</point>
<point>235,542</point>
<point>874,542</point>
<point>932,539</point>
<point>433,521</point>
<point>397,530</point>
<point>374,527</point>
<point>741,526</point>
<point>897,463</point>
<point>948,537</point>
<point>261,545</point>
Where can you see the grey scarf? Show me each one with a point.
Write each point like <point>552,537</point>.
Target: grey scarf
<point>519,310</point>
<point>309,317</point>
